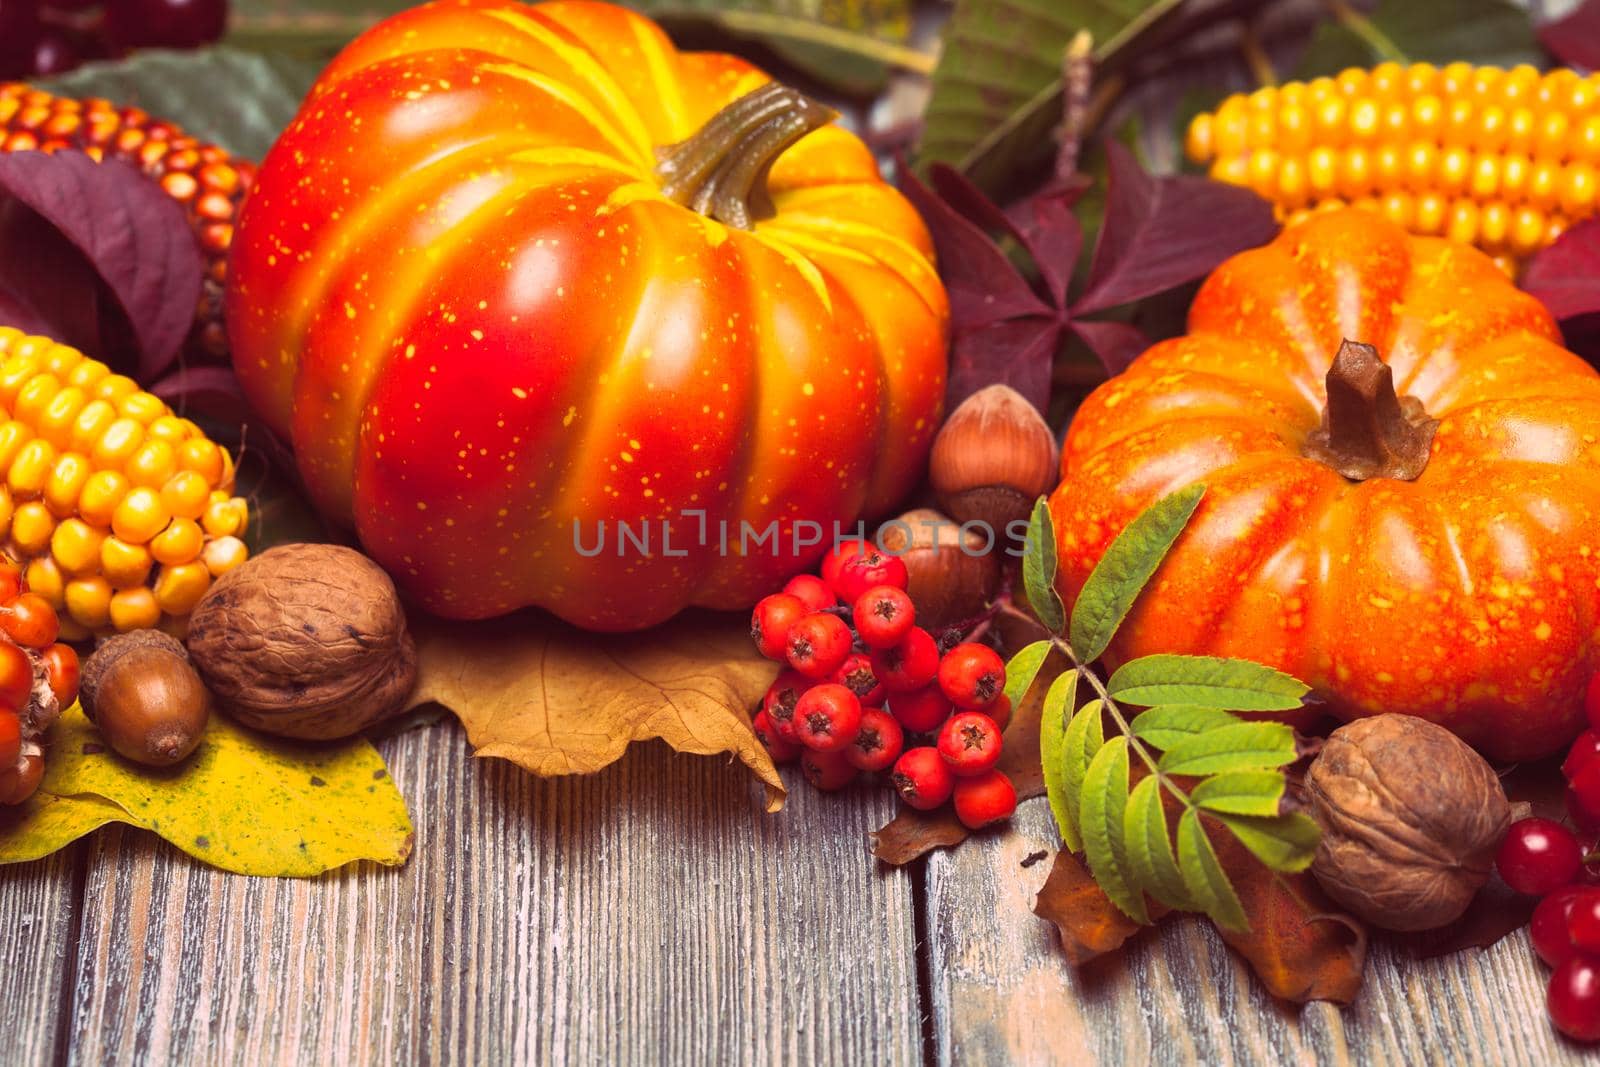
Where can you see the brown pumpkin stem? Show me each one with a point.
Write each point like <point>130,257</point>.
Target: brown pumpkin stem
<point>721,171</point>
<point>1367,430</point>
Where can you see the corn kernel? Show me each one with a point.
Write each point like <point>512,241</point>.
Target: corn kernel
<point>224,518</point>
<point>60,359</point>
<point>76,546</point>
<point>90,425</point>
<point>65,485</point>
<point>45,579</point>
<point>134,609</point>
<point>169,428</point>
<point>185,495</point>
<point>88,602</point>
<point>1355,173</point>
<point>30,469</point>
<point>56,421</point>
<point>180,542</point>
<point>222,554</point>
<point>31,528</point>
<point>86,373</point>
<point>178,589</point>
<point>33,397</point>
<point>203,457</point>
<point>153,464</point>
<point>1577,191</point>
<point>113,387</point>
<point>1494,225</point>
<point>7,509</point>
<point>1462,225</point>
<point>124,565</point>
<point>140,516</point>
<point>102,492</point>
<point>141,407</point>
<point>1432,210</point>
<point>1527,231</point>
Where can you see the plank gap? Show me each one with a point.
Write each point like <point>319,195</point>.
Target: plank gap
<point>923,947</point>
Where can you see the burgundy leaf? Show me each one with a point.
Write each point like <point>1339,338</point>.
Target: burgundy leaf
<point>1117,344</point>
<point>207,390</point>
<point>1042,224</point>
<point>46,285</point>
<point>1016,352</point>
<point>1566,275</point>
<point>135,236</point>
<point>1575,39</point>
<point>1160,232</point>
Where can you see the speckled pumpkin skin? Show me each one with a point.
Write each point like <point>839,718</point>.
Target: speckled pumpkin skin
<point>1470,596</point>
<point>458,291</point>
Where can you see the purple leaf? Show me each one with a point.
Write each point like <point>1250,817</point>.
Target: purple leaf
<point>1043,225</point>
<point>1160,232</point>
<point>1017,352</point>
<point>1575,39</point>
<point>1566,275</point>
<point>46,286</point>
<point>134,235</point>
<point>1117,344</point>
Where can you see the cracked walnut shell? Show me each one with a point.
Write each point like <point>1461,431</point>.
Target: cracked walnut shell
<point>1411,818</point>
<point>306,641</point>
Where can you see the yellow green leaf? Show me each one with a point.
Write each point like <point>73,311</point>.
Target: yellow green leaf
<point>243,802</point>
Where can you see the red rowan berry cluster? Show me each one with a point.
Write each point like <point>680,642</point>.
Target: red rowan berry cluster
<point>38,680</point>
<point>864,680</point>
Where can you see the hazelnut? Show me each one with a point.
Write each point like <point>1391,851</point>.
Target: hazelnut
<point>306,641</point>
<point>992,459</point>
<point>141,691</point>
<point>1411,818</point>
<point>952,573</point>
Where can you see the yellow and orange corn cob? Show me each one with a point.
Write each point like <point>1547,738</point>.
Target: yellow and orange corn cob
<point>204,179</point>
<point>120,512</point>
<point>1504,159</point>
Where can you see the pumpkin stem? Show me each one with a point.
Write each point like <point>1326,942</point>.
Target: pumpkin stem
<point>1367,430</point>
<point>721,171</point>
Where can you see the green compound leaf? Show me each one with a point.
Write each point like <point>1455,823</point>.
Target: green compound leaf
<point>1053,730</point>
<point>1085,737</point>
<point>1023,669</point>
<point>1170,724</point>
<point>1124,570</point>
<point>1245,746</point>
<point>1150,848</point>
<point>1039,569</point>
<point>1258,793</point>
<point>1104,800</point>
<point>1206,681</point>
<point>1204,877</point>
<point>1282,842</point>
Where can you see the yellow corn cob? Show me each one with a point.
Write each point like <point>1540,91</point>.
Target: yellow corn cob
<point>121,511</point>
<point>1504,159</point>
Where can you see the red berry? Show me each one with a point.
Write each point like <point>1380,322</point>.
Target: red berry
<point>165,23</point>
<point>883,615</point>
<point>911,664</point>
<point>837,555</point>
<point>827,718</point>
<point>1548,927</point>
<point>780,701</point>
<point>986,798</point>
<point>826,771</point>
<point>771,620</point>
<point>780,750</point>
<point>970,743</point>
<point>869,569</point>
<point>972,675</point>
<point>1583,795</point>
<point>999,711</point>
<point>921,711</point>
<point>819,644</point>
<point>856,675</point>
<point>1573,998</point>
<point>878,743</point>
<point>1591,700</point>
<point>922,778</point>
<point>10,738</point>
<point>16,680</point>
<point>1583,921</point>
<point>812,591</point>
<point>30,621</point>
<point>1538,856</point>
<point>1583,750</point>
<point>62,671</point>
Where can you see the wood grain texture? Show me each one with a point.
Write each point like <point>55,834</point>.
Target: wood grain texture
<point>650,913</point>
<point>39,903</point>
<point>1000,991</point>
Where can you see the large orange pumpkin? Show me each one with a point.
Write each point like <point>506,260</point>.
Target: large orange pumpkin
<point>1436,554</point>
<point>480,292</point>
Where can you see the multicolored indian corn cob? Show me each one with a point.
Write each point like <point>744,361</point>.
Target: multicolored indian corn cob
<point>121,512</point>
<point>204,179</point>
<point>1504,159</point>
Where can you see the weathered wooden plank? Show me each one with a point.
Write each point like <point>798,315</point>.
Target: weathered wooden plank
<point>649,913</point>
<point>40,905</point>
<point>1002,993</point>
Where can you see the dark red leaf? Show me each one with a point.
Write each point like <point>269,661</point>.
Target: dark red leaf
<point>46,286</point>
<point>1043,225</point>
<point>214,393</point>
<point>1016,352</point>
<point>1117,344</point>
<point>1575,39</point>
<point>1160,232</point>
<point>134,235</point>
<point>1566,275</point>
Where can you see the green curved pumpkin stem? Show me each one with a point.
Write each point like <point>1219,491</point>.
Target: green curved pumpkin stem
<point>1367,430</point>
<point>721,171</point>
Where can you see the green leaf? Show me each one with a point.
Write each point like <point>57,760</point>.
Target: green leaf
<point>1054,732</point>
<point>1473,31</point>
<point>1150,848</point>
<point>1245,746</point>
<point>1169,724</point>
<point>1241,793</point>
<point>1230,684</point>
<point>1203,875</point>
<point>1282,842</point>
<point>1023,669</point>
<point>1122,572</point>
<point>1039,568</point>
<point>240,100</point>
<point>1085,737</point>
<point>1104,799</point>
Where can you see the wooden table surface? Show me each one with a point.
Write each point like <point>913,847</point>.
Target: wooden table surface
<point>653,914</point>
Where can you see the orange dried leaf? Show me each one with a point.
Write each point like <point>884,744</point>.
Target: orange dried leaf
<point>1089,924</point>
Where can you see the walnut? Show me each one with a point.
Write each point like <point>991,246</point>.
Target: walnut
<point>305,641</point>
<point>1411,818</point>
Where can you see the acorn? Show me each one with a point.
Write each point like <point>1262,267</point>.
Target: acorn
<point>993,458</point>
<point>147,699</point>
<point>952,573</point>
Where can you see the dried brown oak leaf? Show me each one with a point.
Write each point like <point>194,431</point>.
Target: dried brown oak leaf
<point>555,700</point>
<point>1089,924</point>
